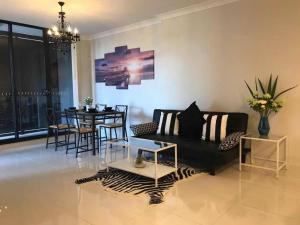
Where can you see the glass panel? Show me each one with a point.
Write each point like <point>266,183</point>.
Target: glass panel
<point>6,101</point>
<point>269,137</point>
<point>53,81</point>
<point>31,84</point>
<point>61,82</point>
<point>65,79</point>
<point>27,30</point>
<point>35,91</point>
<point>3,27</point>
<point>150,145</point>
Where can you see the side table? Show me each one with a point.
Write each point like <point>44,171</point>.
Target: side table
<point>272,139</point>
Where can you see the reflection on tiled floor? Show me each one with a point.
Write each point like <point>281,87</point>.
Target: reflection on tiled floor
<point>37,188</point>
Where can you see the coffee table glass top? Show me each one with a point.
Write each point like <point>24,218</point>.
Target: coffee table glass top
<point>149,145</point>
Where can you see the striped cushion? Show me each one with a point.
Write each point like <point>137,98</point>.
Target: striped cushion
<point>168,124</point>
<point>215,127</point>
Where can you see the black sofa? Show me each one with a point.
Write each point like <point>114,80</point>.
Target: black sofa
<point>200,153</point>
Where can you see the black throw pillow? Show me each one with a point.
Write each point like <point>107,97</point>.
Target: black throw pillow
<point>191,122</point>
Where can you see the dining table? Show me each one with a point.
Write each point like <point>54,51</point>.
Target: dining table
<point>102,115</point>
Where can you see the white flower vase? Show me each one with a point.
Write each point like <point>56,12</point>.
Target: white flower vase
<point>87,107</point>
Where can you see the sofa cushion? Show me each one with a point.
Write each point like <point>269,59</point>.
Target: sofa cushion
<point>145,128</point>
<point>215,127</point>
<point>236,121</point>
<point>191,122</point>
<point>168,123</point>
<point>230,141</point>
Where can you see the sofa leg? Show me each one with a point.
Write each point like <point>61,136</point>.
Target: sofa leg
<point>212,172</point>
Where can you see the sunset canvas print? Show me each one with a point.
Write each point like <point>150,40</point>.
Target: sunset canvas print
<point>125,67</point>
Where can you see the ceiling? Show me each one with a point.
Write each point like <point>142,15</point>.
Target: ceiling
<point>90,16</point>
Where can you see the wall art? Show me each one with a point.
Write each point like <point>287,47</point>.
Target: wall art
<point>125,67</point>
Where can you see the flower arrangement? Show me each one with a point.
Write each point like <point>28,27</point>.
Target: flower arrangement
<point>266,101</point>
<point>88,101</point>
<point>264,104</point>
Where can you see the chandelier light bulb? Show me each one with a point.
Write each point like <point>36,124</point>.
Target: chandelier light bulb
<point>49,32</point>
<point>69,29</point>
<point>76,31</point>
<point>56,33</point>
<point>54,28</point>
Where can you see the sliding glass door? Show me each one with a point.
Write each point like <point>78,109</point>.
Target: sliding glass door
<point>7,120</point>
<point>30,79</point>
<point>34,78</point>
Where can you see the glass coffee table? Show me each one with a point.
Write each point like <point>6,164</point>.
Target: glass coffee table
<point>152,169</point>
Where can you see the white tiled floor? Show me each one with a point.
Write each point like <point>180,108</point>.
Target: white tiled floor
<point>37,188</point>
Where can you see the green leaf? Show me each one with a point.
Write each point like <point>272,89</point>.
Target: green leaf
<point>285,91</point>
<point>274,88</point>
<point>270,84</point>
<point>256,88</point>
<point>250,90</point>
<point>261,86</point>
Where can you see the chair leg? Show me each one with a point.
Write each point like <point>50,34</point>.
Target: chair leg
<point>56,139</point>
<point>105,133</point>
<point>47,142</point>
<point>110,137</point>
<point>75,138</point>
<point>98,143</point>
<point>68,142</point>
<point>126,136</point>
<point>77,147</point>
<point>65,131</point>
<point>100,134</point>
<point>87,141</point>
<point>116,135</point>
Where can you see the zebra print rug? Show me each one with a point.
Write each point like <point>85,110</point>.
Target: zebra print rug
<point>122,181</point>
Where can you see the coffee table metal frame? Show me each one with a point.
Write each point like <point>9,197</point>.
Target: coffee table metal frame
<point>152,170</point>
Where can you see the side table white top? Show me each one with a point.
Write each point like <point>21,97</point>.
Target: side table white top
<point>271,138</point>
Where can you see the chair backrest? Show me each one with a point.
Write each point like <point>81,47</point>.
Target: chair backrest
<point>121,108</point>
<point>71,117</point>
<point>53,118</point>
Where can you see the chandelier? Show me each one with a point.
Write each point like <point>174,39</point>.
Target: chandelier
<point>61,36</point>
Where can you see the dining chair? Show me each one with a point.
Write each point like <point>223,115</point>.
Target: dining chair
<point>81,130</point>
<point>56,128</point>
<point>98,121</point>
<point>116,122</point>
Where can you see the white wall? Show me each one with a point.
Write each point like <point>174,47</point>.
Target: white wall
<point>84,73</point>
<point>207,55</point>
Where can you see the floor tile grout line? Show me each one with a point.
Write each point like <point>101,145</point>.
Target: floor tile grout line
<point>266,213</point>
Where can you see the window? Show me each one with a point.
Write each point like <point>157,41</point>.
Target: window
<point>27,30</point>
<point>4,27</point>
